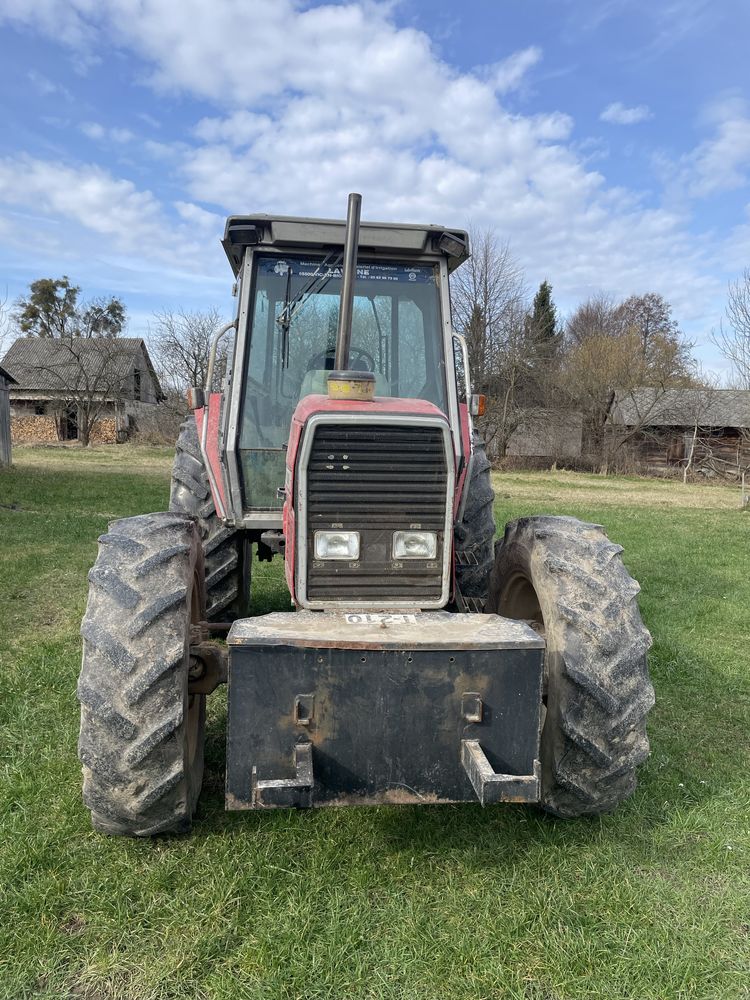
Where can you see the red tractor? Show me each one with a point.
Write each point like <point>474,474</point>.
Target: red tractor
<point>421,662</point>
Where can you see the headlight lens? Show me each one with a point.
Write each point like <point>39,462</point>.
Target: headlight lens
<point>414,544</point>
<point>337,545</point>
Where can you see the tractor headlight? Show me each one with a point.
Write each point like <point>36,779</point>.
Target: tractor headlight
<point>414,544</point>
<point>337,545</point>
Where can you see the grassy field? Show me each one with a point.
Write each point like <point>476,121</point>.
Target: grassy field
<point>434,903</point>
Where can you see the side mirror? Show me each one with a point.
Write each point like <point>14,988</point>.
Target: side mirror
<point>196,398</point>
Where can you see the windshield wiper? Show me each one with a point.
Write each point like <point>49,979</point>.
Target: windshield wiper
<point>315,285</point>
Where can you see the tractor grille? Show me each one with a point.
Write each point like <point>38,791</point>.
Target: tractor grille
<point>376,479</point>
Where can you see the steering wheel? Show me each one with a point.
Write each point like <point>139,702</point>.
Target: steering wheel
<point>356,355</point>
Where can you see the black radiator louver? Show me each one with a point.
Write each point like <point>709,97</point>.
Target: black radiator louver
<point>376,479</point>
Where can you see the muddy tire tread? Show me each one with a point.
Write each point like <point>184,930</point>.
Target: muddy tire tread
<point>599,690</point>
<point>133,681</point>
<point>190,493</point>
<point>475,535</point>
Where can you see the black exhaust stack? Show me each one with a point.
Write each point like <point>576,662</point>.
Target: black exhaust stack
<point>346,307</point>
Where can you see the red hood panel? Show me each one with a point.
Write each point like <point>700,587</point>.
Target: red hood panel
<point>381,404</point>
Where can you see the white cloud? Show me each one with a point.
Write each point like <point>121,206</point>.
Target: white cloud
<point>167,152</point>
<point>121,135</point>
<point>239,129</point>
<point>722,162</point>
<point>46,87</point>
<point>199,218</point>
<point>618,114</point>
<point>312,102</point>
<point>65,21</point>
<point>99,133</point>
<point>92,129</point>
<point>89,222</point>
<point>738,246</point>
<point>148,119</point>
<point>719,163</point>
<point>509,74</point>
<point>87,195</point>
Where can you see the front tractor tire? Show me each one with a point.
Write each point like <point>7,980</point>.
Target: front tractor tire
<point>225,551</point>
<point>474,535</point>
<point>142,732</point>
<point>568,579</point>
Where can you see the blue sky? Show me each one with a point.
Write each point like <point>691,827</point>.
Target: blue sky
<point>608,141</point>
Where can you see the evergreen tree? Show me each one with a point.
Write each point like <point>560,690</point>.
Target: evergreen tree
<point>542,326</point>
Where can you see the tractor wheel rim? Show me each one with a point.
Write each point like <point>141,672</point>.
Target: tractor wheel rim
<point>519,600</point>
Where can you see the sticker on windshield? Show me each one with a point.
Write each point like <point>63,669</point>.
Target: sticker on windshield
<point>381,619</point>
<point>405,273</point>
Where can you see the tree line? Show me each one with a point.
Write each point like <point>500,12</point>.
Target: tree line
<point>525,357</point>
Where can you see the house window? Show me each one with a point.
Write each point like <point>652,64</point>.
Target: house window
<point>39,409</point>
<point>136,384</point>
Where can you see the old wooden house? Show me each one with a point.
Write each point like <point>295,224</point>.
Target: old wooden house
<point>669,428</point>
<point>59,384</point>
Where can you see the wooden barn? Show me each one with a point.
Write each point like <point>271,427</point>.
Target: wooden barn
<point>54,380</point>
<point>671,428</point>
<point>6,380</point>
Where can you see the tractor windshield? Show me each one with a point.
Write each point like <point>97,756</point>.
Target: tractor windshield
<point>396,333</point>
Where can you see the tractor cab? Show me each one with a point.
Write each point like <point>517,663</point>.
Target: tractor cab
<point>289,276</point>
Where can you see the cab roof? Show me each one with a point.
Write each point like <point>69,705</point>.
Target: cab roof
<point>288,232</point>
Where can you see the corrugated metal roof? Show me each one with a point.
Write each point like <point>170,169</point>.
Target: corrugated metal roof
<point>78,363</point>
<point>6,375</point>
<point>649,407</point>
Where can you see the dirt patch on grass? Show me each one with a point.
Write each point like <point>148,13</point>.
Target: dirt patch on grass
<point>585,489</point>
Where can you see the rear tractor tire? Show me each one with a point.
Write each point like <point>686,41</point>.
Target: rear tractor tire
<point>475,534</point>
<point>142,732</point>
<point>568,579</point>
<point>226,552</point>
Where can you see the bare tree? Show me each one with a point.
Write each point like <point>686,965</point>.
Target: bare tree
<point>612,353</point>
<point>506,386</point>
<point>733,341</point>
<point>489,301</point>
<point>486,293</point>
<point>733,338</point>
<point>180,343</point>
<point>593,371</point>
<point>701,401</point>
<point>6,327</point>
<point>595,317</point>
<point>650,317</point>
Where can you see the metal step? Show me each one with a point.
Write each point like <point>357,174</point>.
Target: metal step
<point>470,605</point>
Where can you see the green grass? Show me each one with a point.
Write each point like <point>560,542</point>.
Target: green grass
<point>439,902</point>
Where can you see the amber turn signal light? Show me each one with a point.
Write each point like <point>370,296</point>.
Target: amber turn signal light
<point>478,401</point>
